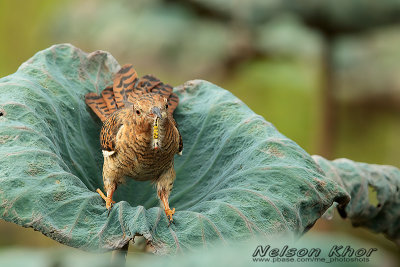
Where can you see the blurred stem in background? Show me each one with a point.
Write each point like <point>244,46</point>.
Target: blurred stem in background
<point>328,102</point>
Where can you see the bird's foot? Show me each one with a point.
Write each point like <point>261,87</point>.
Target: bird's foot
<point>108,200</point>
<point>169,214</point>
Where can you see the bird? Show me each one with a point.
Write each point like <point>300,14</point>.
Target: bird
<point>139,136</point>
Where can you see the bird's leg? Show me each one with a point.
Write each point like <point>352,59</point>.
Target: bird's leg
<point>164,187</point>
<point>110,188</point>
<point>108,198</point>
<point>164,199</point>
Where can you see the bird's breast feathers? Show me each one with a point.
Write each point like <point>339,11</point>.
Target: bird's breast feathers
<point>161,140</point>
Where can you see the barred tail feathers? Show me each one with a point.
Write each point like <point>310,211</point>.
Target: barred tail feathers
<point>124,84</point>
<point>97,104</point>
<point>109,99</point>
<point>149,83</point>
<point>127,85</point>
<point>173,102</point>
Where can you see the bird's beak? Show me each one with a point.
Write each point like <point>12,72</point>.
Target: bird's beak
<point>156,111</point>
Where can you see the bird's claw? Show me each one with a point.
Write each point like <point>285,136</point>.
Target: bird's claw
<point>108,200</point>
<point>109,204</point>
<point>169,214</point>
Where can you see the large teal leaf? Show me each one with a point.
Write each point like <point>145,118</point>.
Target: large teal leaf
<point>238,176</point>
<point>374,191</point>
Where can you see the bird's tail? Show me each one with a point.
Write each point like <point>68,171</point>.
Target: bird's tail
<point>126,87</point>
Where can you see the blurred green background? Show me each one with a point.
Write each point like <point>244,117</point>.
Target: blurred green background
<point>325,73</point>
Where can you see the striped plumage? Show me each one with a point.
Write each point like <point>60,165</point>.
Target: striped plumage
<point>139,137</point>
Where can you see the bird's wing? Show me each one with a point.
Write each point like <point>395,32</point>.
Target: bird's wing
<point>109,132</point>
<point>180,138</point>
<point>180,142</point>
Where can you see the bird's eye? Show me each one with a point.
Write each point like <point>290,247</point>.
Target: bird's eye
<point>166,106</point>
<point>137,112</point>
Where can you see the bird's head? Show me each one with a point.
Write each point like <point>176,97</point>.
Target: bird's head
<point>151,111</point>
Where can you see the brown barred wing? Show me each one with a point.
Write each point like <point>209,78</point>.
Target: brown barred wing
<point>180,136</point>
<point>109,132</point>
<point>180,143</point>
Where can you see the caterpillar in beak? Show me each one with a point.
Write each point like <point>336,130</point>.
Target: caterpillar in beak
<point>156,144</point>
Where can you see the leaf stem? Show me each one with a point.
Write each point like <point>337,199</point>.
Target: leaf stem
<point>118,256</point>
